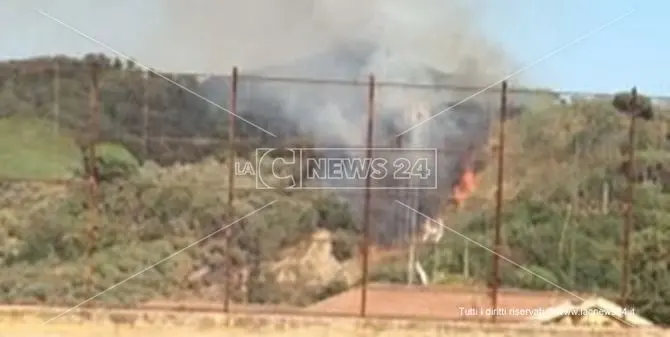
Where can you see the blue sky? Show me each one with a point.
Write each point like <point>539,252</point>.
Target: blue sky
<point>632,51</point>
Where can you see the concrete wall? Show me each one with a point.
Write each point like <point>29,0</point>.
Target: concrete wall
<point>29,322</point>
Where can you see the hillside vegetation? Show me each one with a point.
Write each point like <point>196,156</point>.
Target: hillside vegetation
<point>564,193</point>
<point>43,154</point>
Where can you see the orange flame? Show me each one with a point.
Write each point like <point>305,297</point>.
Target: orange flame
<point>464,188</point>
<point>466,183</point>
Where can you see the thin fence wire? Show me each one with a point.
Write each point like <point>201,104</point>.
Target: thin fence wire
<point>187,149</point>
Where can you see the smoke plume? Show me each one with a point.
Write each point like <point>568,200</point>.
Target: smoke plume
<point>213,36</point>
<point>420,41</point>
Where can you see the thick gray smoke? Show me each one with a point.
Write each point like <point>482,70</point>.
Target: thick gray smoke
<point>420,41</point>
<point>213,36</point>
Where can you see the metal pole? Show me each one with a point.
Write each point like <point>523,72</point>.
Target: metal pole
<point>499,196</point>
<point>408,218</point>
<point>231,186</point>
<point>415,118</point>
<point>94,125</point>
<point>56,97</point>
<point>91,163</point>
<point>628,221</point>
<point>145,113</point>
<point>401,213</point>
<point>368,196</point>
<point>413,237</point>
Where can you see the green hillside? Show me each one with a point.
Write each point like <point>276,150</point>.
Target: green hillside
<point>564,192</point>
<point>29,147</point>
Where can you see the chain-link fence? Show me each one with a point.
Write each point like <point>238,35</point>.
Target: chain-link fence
<point>270,193</point>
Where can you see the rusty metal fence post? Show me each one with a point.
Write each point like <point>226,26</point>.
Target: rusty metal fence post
<point>495,282</point>
<point>91,166</point>
<point>368,196</point>
<point>146,76</point>
<point>55,88</point>
<point>231,187</point>
<point>628,221</point>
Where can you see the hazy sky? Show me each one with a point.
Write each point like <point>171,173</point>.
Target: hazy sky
<point>632,51</point>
